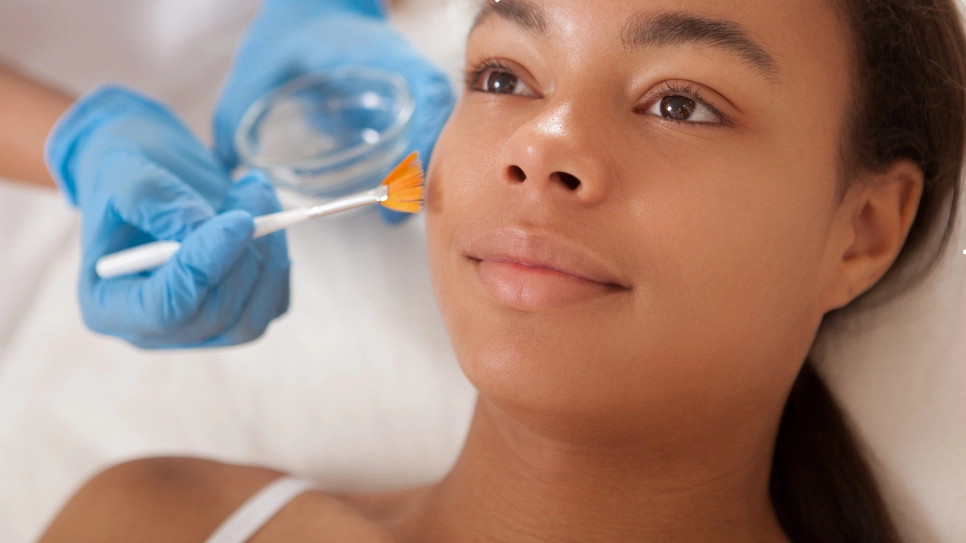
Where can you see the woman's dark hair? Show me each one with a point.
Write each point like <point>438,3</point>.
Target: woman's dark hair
<point>908,102</point>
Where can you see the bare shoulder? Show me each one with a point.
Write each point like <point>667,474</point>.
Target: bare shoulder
<point>156,499</point>
<point>179,500</point>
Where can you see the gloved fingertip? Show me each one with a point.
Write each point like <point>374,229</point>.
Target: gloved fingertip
<point>223,134</point>
<point>236,225</point>
<point>225,152</point>
<point>393,218</point>
<point>254,177</point>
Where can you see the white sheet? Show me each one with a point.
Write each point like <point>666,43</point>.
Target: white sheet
<point>357,386</point>
<point>900,372</point>
<point>35,224</point>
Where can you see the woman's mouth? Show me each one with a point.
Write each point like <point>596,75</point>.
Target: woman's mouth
<point>534,271</point>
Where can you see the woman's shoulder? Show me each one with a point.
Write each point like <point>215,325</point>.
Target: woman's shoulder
<point>186,499</point>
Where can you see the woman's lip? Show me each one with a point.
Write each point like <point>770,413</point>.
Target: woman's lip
<point>539,271</point>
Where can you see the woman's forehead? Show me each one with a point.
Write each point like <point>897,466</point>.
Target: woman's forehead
<point>761,33</point>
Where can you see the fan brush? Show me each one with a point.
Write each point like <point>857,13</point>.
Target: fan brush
<point>402,190</point>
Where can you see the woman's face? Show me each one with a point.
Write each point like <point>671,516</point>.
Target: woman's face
<point>630,207</point>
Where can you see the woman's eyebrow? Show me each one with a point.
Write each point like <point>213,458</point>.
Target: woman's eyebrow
<point>528,16</point>
<point>665,29</point>
<point>648,29</point>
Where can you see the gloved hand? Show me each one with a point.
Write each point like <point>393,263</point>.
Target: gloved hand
<point>137,174</point>
<point>290,38</point>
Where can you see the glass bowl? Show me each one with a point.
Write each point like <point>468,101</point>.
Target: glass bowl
<point>328,134</point>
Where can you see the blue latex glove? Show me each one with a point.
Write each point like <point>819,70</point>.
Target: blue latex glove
<point>290,38</point>
<point>136,175</point>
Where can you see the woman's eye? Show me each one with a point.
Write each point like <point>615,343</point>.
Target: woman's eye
<point>501,82</point>
<point>676,107</point>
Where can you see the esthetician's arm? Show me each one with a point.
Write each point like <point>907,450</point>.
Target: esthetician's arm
<point>28,110</point>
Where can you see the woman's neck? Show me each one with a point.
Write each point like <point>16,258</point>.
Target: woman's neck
<point>512,484</point>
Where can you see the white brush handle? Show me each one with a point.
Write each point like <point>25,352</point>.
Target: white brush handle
<point>151,255</point>
<point>136,259</point>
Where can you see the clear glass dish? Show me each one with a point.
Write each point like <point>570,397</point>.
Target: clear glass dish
<point>328,134</point>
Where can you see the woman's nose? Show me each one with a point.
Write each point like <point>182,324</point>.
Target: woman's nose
<point>556,153</point>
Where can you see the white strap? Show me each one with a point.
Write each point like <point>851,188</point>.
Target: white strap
<point>258,510</point>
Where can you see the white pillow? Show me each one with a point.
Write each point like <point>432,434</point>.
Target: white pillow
<point>899,371</point>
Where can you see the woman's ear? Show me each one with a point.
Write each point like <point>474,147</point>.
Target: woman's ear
<point>870,228</point>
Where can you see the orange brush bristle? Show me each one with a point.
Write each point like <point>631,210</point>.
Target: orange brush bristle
<point>405,184</point>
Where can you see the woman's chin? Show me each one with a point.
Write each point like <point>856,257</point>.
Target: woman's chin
<point>524,376</point>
